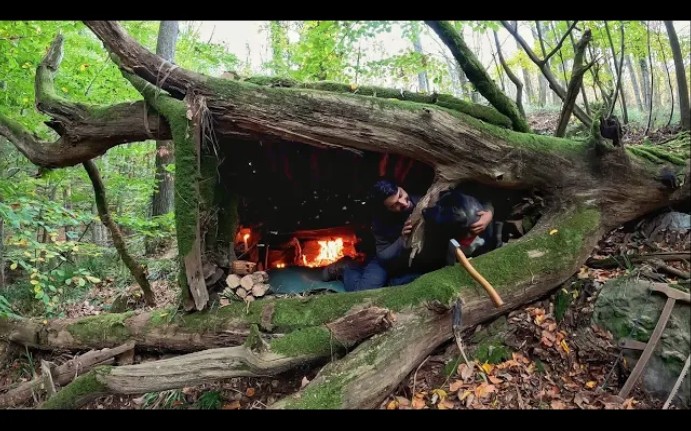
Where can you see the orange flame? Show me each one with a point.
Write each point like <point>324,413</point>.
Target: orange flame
<point>329,252</point>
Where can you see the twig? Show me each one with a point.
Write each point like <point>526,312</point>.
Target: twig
<point>415,377</point>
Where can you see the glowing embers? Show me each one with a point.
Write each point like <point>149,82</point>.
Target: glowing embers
<point>313,249</point>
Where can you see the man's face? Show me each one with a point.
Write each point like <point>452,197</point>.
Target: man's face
<point>398,202</point>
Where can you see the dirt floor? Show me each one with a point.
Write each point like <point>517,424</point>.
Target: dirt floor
<point>554,360</point>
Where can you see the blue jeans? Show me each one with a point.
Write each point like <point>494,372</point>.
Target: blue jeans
<point>372,276</point>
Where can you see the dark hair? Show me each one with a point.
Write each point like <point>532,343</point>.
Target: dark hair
<point>382,189</point>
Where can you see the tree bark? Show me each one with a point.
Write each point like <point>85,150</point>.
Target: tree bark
<point>579,70</point>
<point>512,77</point>
<point>651,86</point>
<point>618,88</point>
<point>162,201</point>
<point>476,73</point>
<point>682,86</point>
<point>645,83</point>
<point>137,271</point>
<point>669,81</point>
<point>583,95</point>
<point>634,82</point>
<point>581,182</point>
<point>422,79</point>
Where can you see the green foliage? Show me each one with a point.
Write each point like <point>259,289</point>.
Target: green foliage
<point>172,399</point>
<point>6,309</point>
<point>210,400</point>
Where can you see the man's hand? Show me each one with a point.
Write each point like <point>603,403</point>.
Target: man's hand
<point>479,226</point>
<point>407,228</point>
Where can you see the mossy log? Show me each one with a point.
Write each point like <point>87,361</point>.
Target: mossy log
<point>588,189</point>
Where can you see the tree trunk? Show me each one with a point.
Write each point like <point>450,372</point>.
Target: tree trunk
<point>618,89</point>
<point>579,70</point>
<point>162,200</point>
<point>476,73</point>
<point>544,67</point>
<point>645,83</point>
<point>512,77</point>
<point>588,187</point>
<point>423,82</point>
<point>634,82</point>
<point>651,86</point>
<point>585,98</point>
<point>669,81</point>
<point>137,271</point>
<point>682,86</point>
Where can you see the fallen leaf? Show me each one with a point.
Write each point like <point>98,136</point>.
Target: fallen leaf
<point>250,392</point>
<point>580,400</point>
<point>484,389</point>
<point>469,400</point>
<point>487,368</point>
<point>445,405</point>
<point>552,327</point>
<point>456,385</point>
<point>465,372</point>
<point>233,405</point>
<point>403,402</point>
<point>629,403</point>
<point>441,393</point>
<point>464,395</point>
<point>583,273</point>
<point>557,405</point>
<point>392,405</point>
<point>591,384</point>
<point>304,383</point>
<point>418,403</point>
<point>553,231</point>
<point>495,380</point>
<point>564,346</point>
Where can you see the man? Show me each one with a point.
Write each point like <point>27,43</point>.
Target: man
<point>391,227</point>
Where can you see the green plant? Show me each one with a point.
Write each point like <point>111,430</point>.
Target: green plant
<point>6,309</point>
<point>210,400</point>
<point>171,399</point>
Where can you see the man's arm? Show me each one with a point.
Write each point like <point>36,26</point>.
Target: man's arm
<point>388,251</point>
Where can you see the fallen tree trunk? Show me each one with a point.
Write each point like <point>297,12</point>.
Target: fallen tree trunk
<point>589,187</point>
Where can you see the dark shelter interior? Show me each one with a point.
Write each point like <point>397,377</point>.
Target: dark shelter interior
<point>301,207</point>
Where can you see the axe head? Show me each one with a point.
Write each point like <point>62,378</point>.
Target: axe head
<point>454,243</point>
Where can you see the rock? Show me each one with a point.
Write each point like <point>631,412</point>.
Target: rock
<point>627,309</point>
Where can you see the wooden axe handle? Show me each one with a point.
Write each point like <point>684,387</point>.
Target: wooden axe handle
<point>478,277</point>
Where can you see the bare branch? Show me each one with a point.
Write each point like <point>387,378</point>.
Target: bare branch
<point>561,42</point>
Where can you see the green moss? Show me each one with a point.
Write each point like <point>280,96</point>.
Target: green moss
<point>664,155</point>
<point>105,327</point>
<point>309,341</point>
<point>327,395</point>
<point>641,153</point>
<point>83,387</point>
<point>253,340</point>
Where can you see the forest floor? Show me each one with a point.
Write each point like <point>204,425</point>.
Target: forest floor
<point>541,365</point>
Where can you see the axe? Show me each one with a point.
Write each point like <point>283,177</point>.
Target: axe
<point>460,256</point>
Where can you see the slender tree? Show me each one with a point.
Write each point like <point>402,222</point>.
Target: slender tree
<point>682,86</point>
<point>162,200</point>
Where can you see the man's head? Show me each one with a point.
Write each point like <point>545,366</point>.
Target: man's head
<point>393,197</point>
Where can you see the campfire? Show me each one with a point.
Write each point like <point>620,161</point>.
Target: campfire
<point>309,248</point>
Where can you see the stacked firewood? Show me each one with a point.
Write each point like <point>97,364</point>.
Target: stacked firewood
<point>247,285</point>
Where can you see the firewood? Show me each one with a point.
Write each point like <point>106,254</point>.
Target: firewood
<point>233,281</point>
<point>243,267</point>
<point>260,277</point>
<point>247,282</point>
<point>249,298</point>
<point>242,293</point>
<point>259,289</point>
